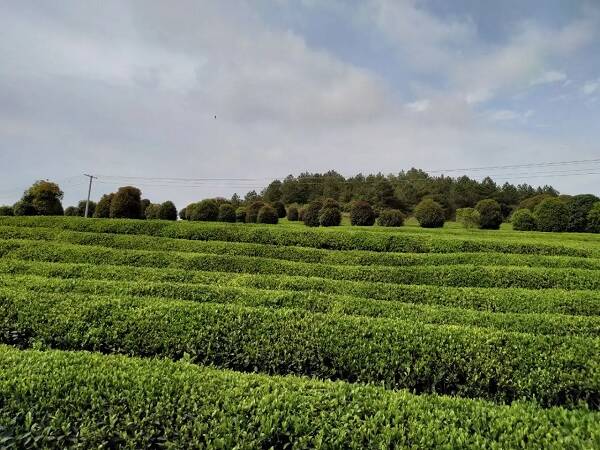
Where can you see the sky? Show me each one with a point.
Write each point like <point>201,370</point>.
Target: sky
<point>231,94</point>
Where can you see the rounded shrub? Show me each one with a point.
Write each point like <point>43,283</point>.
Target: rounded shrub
<point>490,214</point>
<point>227,213</point>
<point>151,212</point>
<point>103,206</point>
<point>267,214</point>
<point>6,211</point>
<point>183,213</point>
<point>292,213</point>
<point>311,213</point>
<point>301,212</point>
<point>143,206</point>
<point>390,218</point>
<point>593,219</point>
<point>167,211</point>
<point>430,214</point>
<point>240,214</point>
<point>205,211</point>
<point>252,211</point>
<point>552,215</point>
<point>71,211</point>
<point>579,207</point>
<point>24,208</point>
<point>362,214</point>
<point>280,208</point>
<point>523,220</point>
<point>126,203</point>
<point>468,217</point>
<point>330,217</point>
<point>330,203</point>
<point>45,198</point>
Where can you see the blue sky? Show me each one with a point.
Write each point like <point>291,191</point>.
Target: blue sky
<point>131,89</point>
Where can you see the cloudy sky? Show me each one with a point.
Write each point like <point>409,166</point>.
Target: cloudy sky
<point>251,90</point>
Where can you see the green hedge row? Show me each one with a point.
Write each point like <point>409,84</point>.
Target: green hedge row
<point>291,253</point>
<point>60,399</point>
<point>584,303</point>
<point>461,361</point>
<point>336,240</point>
<point>550,324</point>
<point>453,275</point>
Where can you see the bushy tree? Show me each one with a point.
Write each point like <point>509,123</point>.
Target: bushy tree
<point>490,214</point>
<point>81,208</point>
<point>280,208</point>
<point>252,211</point>
<point>301,212</point>
<point>267,214</point>
<point>362,214</point>
<point>552,215</point>
<point>330,216</point>
<point>430,214</point>
<point>44,197</point>
<point>531,203</point>
<point>6,211</point>
<point>207,211</point>
<point>468,217</point>
<point>183,214</point>
<point>23,208</point>
<point>240,214</point>
<point>227,213</point>
<point>103,206</point>
<point>593,219</point>
<point>167,211</point>
<point>390,218</point>
<point>151,212</point>
<point>71,211</point>
<point>311,213</point>
<point>523,220</point>
<point>143,207</point>
<point>126,203</point>
<point>579,207</point>
<point>292,213</point>
<point>272,193</point>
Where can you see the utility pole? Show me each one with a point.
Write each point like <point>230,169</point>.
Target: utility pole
<point>87,203</point>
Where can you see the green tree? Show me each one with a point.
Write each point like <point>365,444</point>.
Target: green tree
<point>552,215</point>
<point>43,198</point>
<point>272,193</point>
<point>292,213</point>
<point>206,211</point>
<point>81,208</point>
<point>430,214</point>
<point>6,211</point>
<point>151,212</point>
<point>126,203</point>
<point>468,217</point>
<point>362,214</point>
<point>490,214</point>
<point>280,208</point>
<point>167,211</point>
<point>311,213</point>
<point>267,214</point>
<point>579,207</point>
<point>252,211</point>
<point>523,220</point>
<point>227,213</point>
<point>71,211</point>
<point>593,218</point>
<point>390,218</point>
<point>103,206</point>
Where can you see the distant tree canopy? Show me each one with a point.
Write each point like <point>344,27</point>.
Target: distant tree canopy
<point>127,203</point>
<point>401,191</point>
<point>43,198</point>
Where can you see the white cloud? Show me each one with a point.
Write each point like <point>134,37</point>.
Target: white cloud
<point>551,76</point>
<point>591,86</point>
<point>502,115</point>
<point>419,105</point>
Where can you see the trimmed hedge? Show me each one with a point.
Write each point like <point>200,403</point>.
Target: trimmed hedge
<point>362,214</point>
<point>390,218</point>
<point>430,214</point>
<point>267,214</point>
<point>582,303</point>
<point>490,214</point>
<point>334,240</point>
<point>451,360</point>
<point>452,275</point>
<point>524,220</point>
<point>140,405</point>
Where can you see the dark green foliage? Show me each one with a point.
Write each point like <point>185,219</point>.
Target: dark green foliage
<point>330,203</point>
<point>103,206</point>
<point>151,212</point>
<point>552,215</point>
<point>280,208</point>
<point>272,193</point>
<point>240,214</point>
<point>252,211</point>
<point>71,211</point>
<point>43,198</point>
<point>430,214</point>
<point>183,214</point>
<point>301,212</point>
<point>523,220</point>
<point>311,212</point>
<point>532,202</point>
<point>126,203</point>
<point>227,213</point>
<point>249,410</point>
<point>292,213</point>
<point>390,218</point>
<point>143,207</point>
<point>6,211</point>
<point>167,211</point>
<point>579,207</point>
<point>468,217</point>
<point>24,208</point>
<point>593,218</point>
<point>206,211</point>
<point>267,214</point>
<point>490,214</point>
<point>362,214</point>
<point>81,208</point>
<point>330,217</point>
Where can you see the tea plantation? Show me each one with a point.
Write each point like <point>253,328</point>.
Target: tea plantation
<point>155,334</point>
